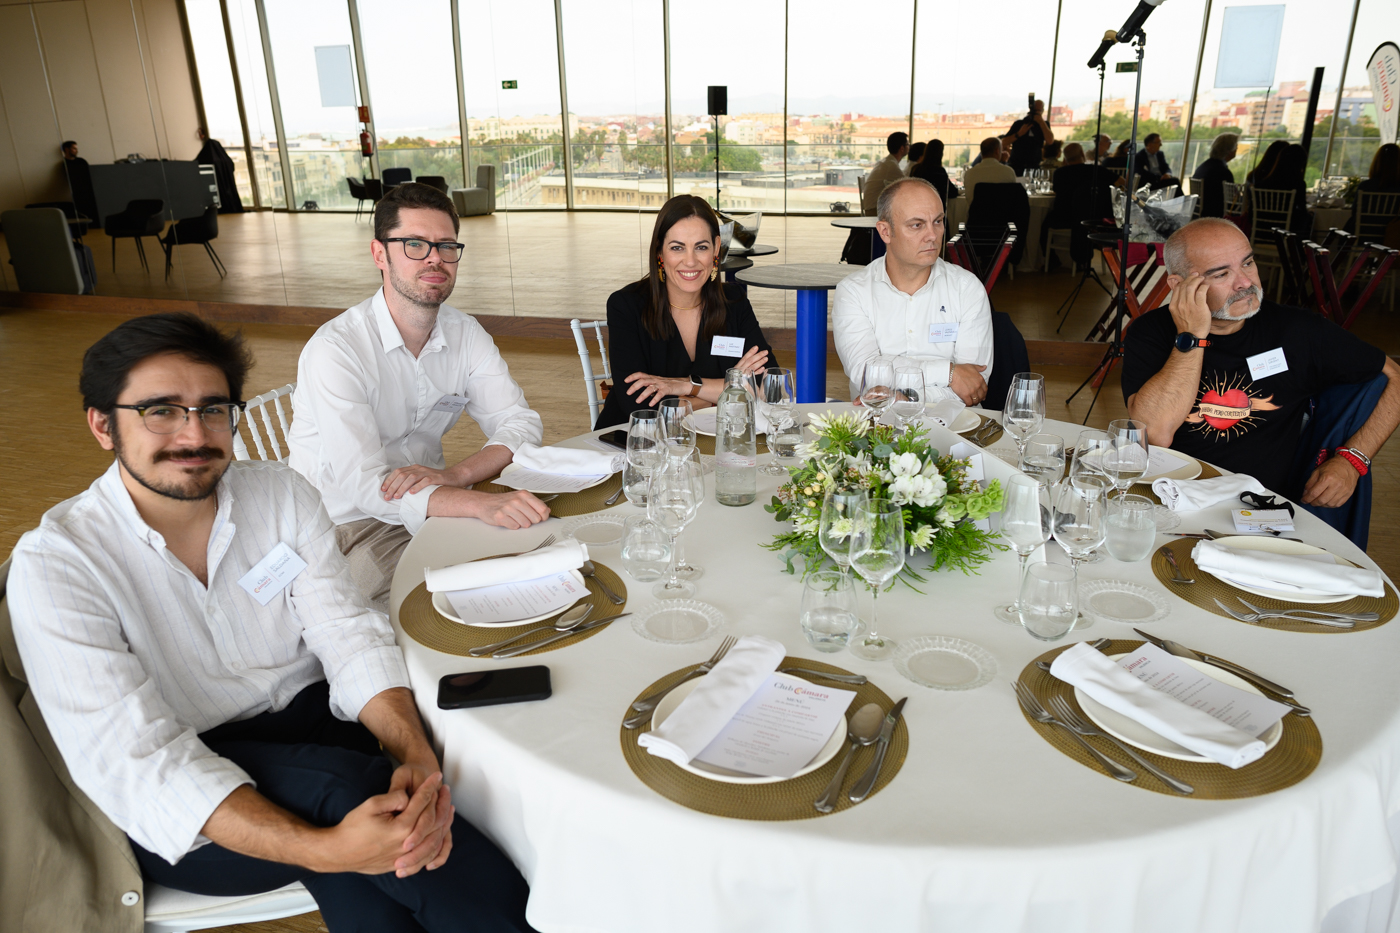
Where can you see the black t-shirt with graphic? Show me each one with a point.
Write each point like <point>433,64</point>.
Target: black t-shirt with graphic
<point>1244,424</point>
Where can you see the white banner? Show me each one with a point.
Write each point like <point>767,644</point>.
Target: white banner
<point>1384,71</point>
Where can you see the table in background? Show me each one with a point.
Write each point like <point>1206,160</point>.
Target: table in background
<point>1325,218</point>
<point>1032,259</point>
<point>811,281</point>
<point>739,259</point>
<point>862,222</point>
<point>986,827</point>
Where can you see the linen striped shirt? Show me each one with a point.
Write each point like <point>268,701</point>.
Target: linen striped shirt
<point>130,656</point>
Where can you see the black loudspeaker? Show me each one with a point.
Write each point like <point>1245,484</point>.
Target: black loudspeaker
<point>719,100</point>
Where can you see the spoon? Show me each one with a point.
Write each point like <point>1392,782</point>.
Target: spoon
<point>864,729</point>
<point>588,571</point>
<point>564,623</point>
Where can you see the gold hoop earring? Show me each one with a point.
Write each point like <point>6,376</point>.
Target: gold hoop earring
<point>714,272</point>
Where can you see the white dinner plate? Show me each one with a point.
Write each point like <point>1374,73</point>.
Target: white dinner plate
<point>444,607</point>
<point>673,699</point>
<point>703,421</point>
<point>966,420</point>
<point>512,467</point>
<point>1271,545</point>
<point>1139,736</point>
<point>1188,470</point>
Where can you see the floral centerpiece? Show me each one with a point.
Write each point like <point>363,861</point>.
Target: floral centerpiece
<point>940,503</point>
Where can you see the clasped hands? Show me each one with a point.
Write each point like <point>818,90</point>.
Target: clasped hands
<point>650,390</point>
<point>404,830</point>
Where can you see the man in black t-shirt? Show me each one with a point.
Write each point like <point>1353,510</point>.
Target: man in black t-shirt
<point>1214,381</point>
<point>1027,137</point>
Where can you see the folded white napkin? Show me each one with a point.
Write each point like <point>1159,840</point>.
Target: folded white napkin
<point>945,411</point>
<point>568,461</point>
<point>1097,675</point>
<point>1290,573</point>
<point>1186,495</point>
<point>710,707</point>
<point>568,555</point>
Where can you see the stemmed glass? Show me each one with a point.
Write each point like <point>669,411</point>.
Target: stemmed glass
<point>1087,475</point>
<point>1128,456</point>
<point>1043,458</point>
<point>677,489</point>
<point>645,445</point>
<point>775,393</point>
<point>908,395</point>
<point>876,386</point>
<point>677,427</point>
<point>1024,411</point>
<point>1078,523</point>
<point>877,554</point>
<point>838,522</point>
<point>1025,522</point>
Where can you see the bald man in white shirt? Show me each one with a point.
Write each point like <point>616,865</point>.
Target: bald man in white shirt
<point>909,303</point>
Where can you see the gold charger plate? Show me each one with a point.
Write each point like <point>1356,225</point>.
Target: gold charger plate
<point>566,504</point>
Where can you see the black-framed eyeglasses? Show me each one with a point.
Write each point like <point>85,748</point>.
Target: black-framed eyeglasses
<point>162,418</point>
<point>415,248</point>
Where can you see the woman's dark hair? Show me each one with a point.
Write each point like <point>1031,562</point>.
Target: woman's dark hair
<point>1053,150</point>
<point>1385,165</point>
<point>916,152</point>
<point>934,152</point>
<point>1269,163</point>
<point>655,316</point>
<point>412,194</point>
<point>1122,149</point>
<point>108,363</point>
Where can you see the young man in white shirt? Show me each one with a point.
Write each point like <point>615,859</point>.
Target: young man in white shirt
<point>214,681</point>
<point>907,303</point>
<point>379,386</point>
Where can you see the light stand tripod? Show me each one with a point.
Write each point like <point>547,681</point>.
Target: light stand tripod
<point>1089,272</point>
<point>1120,300</point>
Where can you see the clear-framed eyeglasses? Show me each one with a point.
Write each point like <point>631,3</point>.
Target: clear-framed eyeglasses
<point>415,248</point>
<point>163,418</point>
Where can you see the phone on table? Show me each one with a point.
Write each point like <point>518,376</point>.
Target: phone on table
<point>616,439</point>
<point>490,688</point>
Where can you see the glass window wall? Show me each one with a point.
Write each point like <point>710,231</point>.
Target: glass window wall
<point>257,102</point>
<point>216,85</point>
<point>1358,135</point>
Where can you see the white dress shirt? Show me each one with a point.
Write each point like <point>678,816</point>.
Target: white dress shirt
<point>365,407</point>
<point>130,656</point>
<point>989,170</point>
<point>873,318</point>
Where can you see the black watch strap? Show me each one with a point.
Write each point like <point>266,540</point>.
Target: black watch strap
<point>1188,342</point>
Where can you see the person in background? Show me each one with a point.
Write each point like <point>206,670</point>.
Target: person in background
<point>1052,158</point>
<point>1214,172</point>
<point>887,171</point>
<point>1105,143</point>
<point>1152,165</point>
<point>1384,176</point>
<point>916,153</point>
<point>910,303</point>
<point>930,169</point>
<point>1288,175</point>
<point>213,153</point>
<point>379,386</point>
<point>1119,159</point>
<point>990,169</point>
<point>1073,186</point>
<point>75,169</point>
<point>1027,138</point>
<point>1268,162</point>
<point>677,330</point>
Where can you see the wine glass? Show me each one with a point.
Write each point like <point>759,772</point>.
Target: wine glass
<point>1078,523</point>
<point>908,394</point>
<point>1025,522</point>
<point>775,393</point>
<point>1086,474</point>
<point>644,440</point>
<point>1043,458</point>
<point>677,490</point>
<point>677,427</point>
<point>1024,411</point>
<point>877,386</point>
<point>837,523</point>
<point>877,554</point>
<point>1128,456</point>
<point>684,568</point>
<point>1049,601</point>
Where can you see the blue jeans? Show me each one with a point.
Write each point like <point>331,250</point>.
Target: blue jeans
<point>320,768</point>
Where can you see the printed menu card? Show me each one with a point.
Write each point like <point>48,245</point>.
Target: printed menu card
<point>1246,711</point>
<point>523,599</point>
<point>780,729</point>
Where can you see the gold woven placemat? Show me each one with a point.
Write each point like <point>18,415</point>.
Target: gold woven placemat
<point>1294,757</point>
<point>1209,588</point>
<point>782,800</point>
<point>1145,489</point>
<point>430,628</point>
<point>571,503</point>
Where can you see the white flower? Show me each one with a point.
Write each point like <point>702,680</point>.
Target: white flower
<point>922,537</point>
<point>903,490</point>
<point>927,492</point>
<point>805,525</point>
<point>841,528</point>
<point>858,461</point>
<point>942,518</point>
<point>906,464</point>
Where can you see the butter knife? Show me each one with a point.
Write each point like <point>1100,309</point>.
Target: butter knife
<point>1182,651</point>
<point>531,646</point>
<point>863,787</point>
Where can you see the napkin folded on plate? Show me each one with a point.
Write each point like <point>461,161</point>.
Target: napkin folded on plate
<point>568,555</point>
<point>1187,495</point>
<point>568,461</point>
<point>721,694</point>
<point>1287,572</point>
<point>945,411</point>
<point>1099,677</point>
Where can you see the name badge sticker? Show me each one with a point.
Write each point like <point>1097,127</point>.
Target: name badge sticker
<point>943,333</point>
<point>727,346</point>
<point>272,574</point>
<point>1267,364</point>
<point>452,404</point>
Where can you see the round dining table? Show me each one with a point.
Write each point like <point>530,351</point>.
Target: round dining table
<point>986,827</point>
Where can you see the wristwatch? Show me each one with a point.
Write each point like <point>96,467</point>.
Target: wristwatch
<point>695,384</point>
<point>1188,342</point>
<point>1356,458</point>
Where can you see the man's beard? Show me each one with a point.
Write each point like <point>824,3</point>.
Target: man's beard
<point>428,297</point>
<point>202,486</point>
<point>1223,312</point>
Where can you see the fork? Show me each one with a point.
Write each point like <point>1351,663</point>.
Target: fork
<point>1037,712</point>
<point>1177,575</point>
<point>549,539</point>
<point>1256,615</point>
<point>1347,616</point>
<point>1078,724</point>
<point>645,705</point>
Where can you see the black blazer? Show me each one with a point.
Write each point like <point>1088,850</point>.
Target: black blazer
<point>1141,167</point>
<point>632,350</point>
<point>1213,173</point>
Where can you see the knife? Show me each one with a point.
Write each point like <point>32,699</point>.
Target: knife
<point>1181,651</point>
<point>531,646</point>
<point>862,788</point>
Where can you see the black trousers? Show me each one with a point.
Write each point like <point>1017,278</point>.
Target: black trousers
<point>320,768</point>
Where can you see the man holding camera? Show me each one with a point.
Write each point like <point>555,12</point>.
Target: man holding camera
<point>1027,138</point>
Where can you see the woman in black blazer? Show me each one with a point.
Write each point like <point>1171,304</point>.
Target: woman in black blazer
<point>681,327</point>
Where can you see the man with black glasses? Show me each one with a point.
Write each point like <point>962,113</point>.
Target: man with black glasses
<point>214,681</point>
<point>379,386</point>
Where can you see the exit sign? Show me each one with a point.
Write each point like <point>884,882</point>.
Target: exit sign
<point>1125,67</point>
<point>509,85</point>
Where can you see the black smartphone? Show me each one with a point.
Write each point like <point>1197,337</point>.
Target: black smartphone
<point>616,439</point>
<point>489,688</point>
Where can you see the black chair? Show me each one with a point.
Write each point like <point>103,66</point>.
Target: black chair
<point>1009,357</point>
<point>994,205</point>
<point>433,181</point>
<point>140,219</point>
<point>396,176</point>
<point>199,230</point>
<point>370,189</point>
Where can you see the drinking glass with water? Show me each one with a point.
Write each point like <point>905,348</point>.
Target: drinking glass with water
<point>1043,458</point>
<point>828,615</point>
<point>646,549</point>
<point>1132,531</point>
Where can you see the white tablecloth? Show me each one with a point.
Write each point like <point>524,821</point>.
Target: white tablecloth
<point>1032,259</point>
<point>986,828</point>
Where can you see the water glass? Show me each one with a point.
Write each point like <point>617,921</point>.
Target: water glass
<point>1025,524</point>
<point>635,485</point>
<point>1043,458</point>
<point>1078,523</point>
<point>1024,411</point>
<point>675,497</point>
<point>828,615</point>
<point>645,440</point>
<point>1049,601</point>
<point>837,523</point>
<point>877,554</point>
<point>1128,457</point>
<point>775,391</point>
<point>1086,473</point>
<point>675,424</point>
<point>877,386</point>
<point>908,394</point>
<point>646,549</point>
<point>1132,531</point>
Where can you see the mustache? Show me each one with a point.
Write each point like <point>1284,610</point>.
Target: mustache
<point>1253,291</point>
<point>190,453</point>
